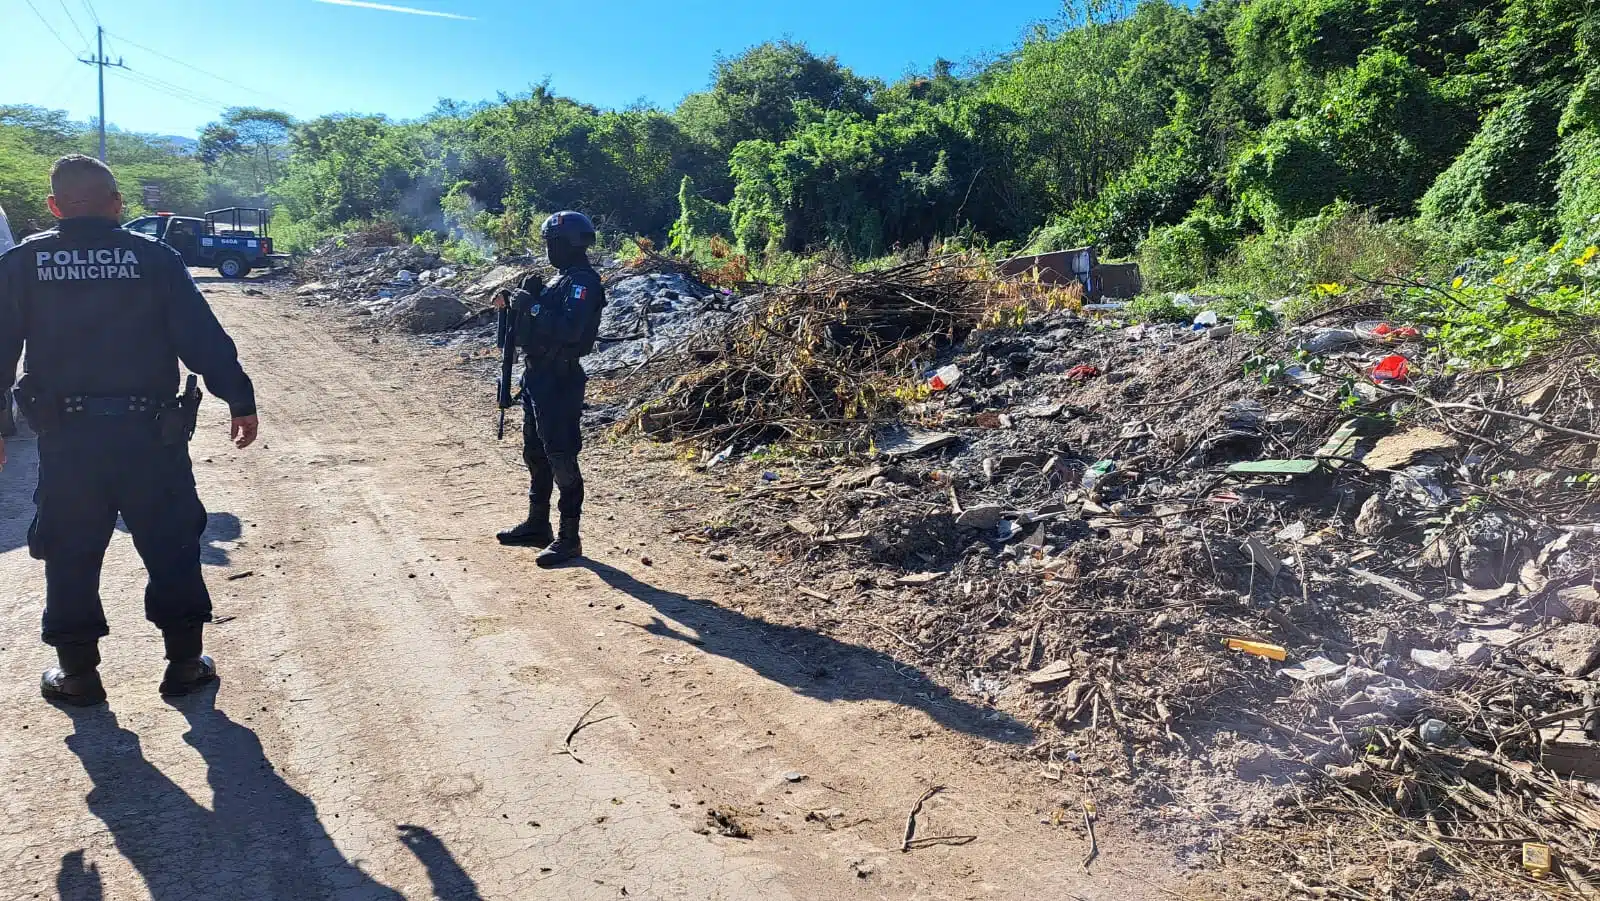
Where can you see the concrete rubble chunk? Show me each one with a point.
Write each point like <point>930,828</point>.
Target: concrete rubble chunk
<point>981,516</point>
<point>908,442</point>
<point>1438,661</point>
<point>1374,518</point>
<point>1572,649</point>
<point>1579,604</point>
<point>1051,675</point>
<point>1396,451</point>
<point>1473,653</point>
<point>1315,668</point>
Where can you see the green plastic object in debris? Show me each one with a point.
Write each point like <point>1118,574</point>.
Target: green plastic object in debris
<point>1333,454</point>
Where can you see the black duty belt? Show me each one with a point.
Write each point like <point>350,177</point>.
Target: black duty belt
<point>82,405</point>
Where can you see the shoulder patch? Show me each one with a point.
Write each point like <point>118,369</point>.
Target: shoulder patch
<point>579,292</point>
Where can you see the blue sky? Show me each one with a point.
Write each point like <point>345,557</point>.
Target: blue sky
<point>319,56</point>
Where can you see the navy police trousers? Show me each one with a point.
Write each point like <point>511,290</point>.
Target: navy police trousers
<point>552,408</point>
<point>90,470</point>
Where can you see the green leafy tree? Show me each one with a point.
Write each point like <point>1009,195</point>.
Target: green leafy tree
<point>754,95</point>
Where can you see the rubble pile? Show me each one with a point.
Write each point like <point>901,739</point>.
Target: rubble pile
<point>654,307</point>
<point>1208,568</point>
<point>405,286</point>
<point>655,313</point>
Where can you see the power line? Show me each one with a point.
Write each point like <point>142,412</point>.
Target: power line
<point>179,89</point>
<point>73,21</point>
<point>171,90</point>
<point>93,16</point>
<point>50,27</point>
<point>204,72</point>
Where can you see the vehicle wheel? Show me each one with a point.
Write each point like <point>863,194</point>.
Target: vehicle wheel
<point>232,267</point>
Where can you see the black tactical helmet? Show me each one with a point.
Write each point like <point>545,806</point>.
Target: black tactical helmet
<point>573,229</point>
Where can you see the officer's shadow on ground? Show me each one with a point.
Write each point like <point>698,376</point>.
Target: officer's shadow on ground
<point>260,839</point>
<point>810,663</point>
<point>220,527</point>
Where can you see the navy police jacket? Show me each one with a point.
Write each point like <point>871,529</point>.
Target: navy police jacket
<point>105,312</point>
<point>563,322</point>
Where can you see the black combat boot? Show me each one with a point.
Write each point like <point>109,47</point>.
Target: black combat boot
<point>77,680</point>
<point>185,677</point>
<point>565,548</point>
<point>533,533</point>
<point>188,670</point>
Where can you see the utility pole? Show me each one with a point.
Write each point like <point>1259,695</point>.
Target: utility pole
<point>100,62</point>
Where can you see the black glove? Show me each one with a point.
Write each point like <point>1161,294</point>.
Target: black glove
<point>533,283</point>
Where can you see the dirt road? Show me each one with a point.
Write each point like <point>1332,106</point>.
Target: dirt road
<point>396,689</point>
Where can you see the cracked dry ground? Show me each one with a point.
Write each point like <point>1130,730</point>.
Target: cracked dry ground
<point>396,688</point>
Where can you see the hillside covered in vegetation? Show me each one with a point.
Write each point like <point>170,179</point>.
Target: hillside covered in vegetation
<point>1382,132</point>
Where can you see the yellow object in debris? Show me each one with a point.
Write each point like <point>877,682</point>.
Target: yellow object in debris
<point>1258,648</point>
<point>1536,858</point>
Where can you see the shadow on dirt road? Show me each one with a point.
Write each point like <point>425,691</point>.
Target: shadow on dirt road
<point>809,663</point>
<point>76,882</point>
<point>261,839</point>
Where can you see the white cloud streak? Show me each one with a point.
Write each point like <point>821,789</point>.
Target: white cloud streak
<point>388,8</point>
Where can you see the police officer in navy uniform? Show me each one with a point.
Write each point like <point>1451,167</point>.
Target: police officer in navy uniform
<point>105,316</point>
<point>556,325</point>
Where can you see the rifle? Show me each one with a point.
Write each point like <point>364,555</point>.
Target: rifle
<point>506,339</point>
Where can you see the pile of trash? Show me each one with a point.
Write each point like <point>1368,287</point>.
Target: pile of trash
<point>1211,570</point>
<point>652,314</point>
<point>1311,580</point>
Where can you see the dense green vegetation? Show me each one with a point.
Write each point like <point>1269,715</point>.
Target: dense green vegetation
<point>1269,144</point>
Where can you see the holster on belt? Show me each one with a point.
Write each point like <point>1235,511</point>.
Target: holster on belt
<point>40,408</point>
<point>178,424</point>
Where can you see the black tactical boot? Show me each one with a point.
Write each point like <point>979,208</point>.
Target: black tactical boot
<point>533,533</point>
<point>565,548</point>
<point>77,680</point>
<point>185,677</point>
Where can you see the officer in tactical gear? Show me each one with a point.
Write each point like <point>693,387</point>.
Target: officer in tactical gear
<point>106,315</point>
<point>556,325</point>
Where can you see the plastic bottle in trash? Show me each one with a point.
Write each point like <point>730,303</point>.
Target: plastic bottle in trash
<point>1093,475</point>
<point>946,378</point>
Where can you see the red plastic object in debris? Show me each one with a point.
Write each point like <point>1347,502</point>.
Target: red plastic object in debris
<point>1385,330</point>
<point>1393,368</point>
<point>1083,372</point>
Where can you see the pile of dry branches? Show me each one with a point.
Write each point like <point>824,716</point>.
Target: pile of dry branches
<point>1479,795</point>
<point>824,359</point>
